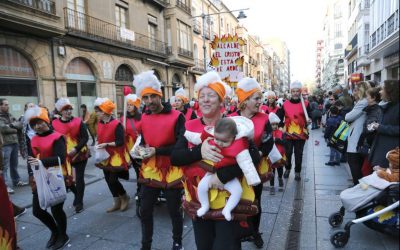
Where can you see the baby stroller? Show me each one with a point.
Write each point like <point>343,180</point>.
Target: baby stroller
<point>369,212</point>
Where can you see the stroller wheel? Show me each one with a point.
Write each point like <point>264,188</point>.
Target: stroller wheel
<point>339,238</point>
<point>336,219</point>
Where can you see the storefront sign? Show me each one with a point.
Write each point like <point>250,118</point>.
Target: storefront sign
<point>226,58</point>
<point>13,63</point>
<point>127,34</point>
<point>356,77</point>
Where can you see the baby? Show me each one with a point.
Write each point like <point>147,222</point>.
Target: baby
<point>231,137</point>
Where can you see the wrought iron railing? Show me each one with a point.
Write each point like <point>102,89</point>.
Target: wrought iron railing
<point>47,6</point>
<point>185,52</point>
<point>181,4</point>
<point>93,28</point>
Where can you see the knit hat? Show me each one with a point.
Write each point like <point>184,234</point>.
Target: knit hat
<point>273,118</point>
<point>147,83</point>
<point>393,157</point>
<point>134,100</point>
<point>246,87</point>
<point>105,105</point>
<point>213,81</point>
<point>181,93</point>
<point>62,104</point>
<point>36,113</point>
<point>296,85</point>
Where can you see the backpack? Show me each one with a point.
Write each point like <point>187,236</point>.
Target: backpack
<point>339,139</point>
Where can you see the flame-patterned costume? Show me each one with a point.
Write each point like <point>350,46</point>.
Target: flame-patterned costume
<point>119,159</point>
<point>131,131</point>
<point>158,130</point>
<point>260,121</point>
<point>295,121</point>
<point>8,237</point>
<point>278,136</point>
<point>71,131</point>
<point>195,172</point>
<point>42,147</point>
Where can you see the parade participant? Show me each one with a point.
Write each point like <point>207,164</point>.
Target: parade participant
<point>49,147</point>
<point>76,136</point>
<point>250,99</point>
<point>182,104</point>
<point>111,138</point>
<point>296,129</point>
<point>273,106</point>
<point>279,140</point>
<point>211,231</point>
<point>159,127</point>
<point>133,117</point>
<point>231,136</point>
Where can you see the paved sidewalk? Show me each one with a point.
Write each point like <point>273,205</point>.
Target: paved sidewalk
<point>321,190</point>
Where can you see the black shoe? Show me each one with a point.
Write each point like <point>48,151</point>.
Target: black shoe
<point>330,163</point>
<point>286,174</point>
<point>280,180</point>
<point>297,177</point>
<point>79,208</point>
<point>61,242</point>
<point>19,212</point>
<point>177,246</point>
<point>336,163</point>
<point>52,240</point>
<point>272,190</point>
<point>258,241</point>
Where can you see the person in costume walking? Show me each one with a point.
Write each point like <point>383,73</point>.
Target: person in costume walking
<point>211,231</point>
<point>250,100</point>
<point>49,147</point>
<point>132,122</point>
<point>296,129</point>
<point>76,136</point>
<point>182,104</point>
<point>159,127</point>
<point>111,138</point>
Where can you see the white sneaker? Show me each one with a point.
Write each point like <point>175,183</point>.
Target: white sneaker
<point>10,190</point>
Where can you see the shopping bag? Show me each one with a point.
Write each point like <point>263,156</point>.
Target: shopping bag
<point>100,154</point>
<point>50,185</point>
<point>339,139</point>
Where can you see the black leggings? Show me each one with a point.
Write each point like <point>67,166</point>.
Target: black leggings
<point>56,223</point>
<point>79,182</point>
<point>256,219</point>
<point>216,234</point>
<point>114,184</point>
<point>148,198</point>
<point>280,174</point>
<point>298,146</point>
<point>355,161</point>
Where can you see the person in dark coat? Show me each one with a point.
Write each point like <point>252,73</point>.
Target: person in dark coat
<point>387,130</point>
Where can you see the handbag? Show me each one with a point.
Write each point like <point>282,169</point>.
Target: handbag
<point>338,140</point>
<point>50,185</point>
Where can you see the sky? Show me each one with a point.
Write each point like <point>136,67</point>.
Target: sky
<point>297,22</point>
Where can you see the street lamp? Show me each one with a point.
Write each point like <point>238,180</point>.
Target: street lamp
<point>203,17</point>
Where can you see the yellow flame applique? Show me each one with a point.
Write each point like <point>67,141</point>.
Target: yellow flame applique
<point>71,143</point>
<point>174,174</point>
<point>5,240</point>
<point>263,167</point>
<point>294,128</point>
<point>217,198</point>
<point>150,171</point>
<point>239,61</point>
<point>188,197</point>
<point>248,192</point>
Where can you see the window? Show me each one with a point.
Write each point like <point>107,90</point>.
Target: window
<point>338,46</point>
<point>152,31</point>
<point>120,16</point>
<point>222,23</point>
<point>338,30</point>
<point>168,26</point>
<point>227,28</point>
<point>76,14</point>
<point>184,36</point>
<point>337,10</point>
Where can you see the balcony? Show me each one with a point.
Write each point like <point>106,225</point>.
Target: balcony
<point>88,27</point>
<point>182,4</point>
<point>196,26</point>
<point>198,65</point>
<point>162,3</point>
<point>46,6</point>
<point>185,52</point>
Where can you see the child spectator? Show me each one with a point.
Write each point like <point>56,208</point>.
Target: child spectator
<point>332,123</point>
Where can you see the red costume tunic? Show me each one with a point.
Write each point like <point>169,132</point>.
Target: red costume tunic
<point>230,152</point>
<point>260,121</point>
<point>188,114</point>
<point>278,138</point>
<point>158,130</point>
<point>42,147</point>
<point>263,108</point>
<point>131,131</point>
<point>8,237</point>
<point>194,173</point>
<point>295,121</point>
<point>119,159</point>
<point>71,131</point>
<point>269,109</point>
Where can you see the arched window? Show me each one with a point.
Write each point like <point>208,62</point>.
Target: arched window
<point>176,83</point>
<point>123,77</point>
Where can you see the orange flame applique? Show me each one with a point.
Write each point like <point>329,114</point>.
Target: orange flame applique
<point>241,42</point>
<point>235,38</point>
<point>224,39</point>
<point>5,240</point>
<point>214,61</point>
<point>150,171</point>
<point>215,42</point>
<point>294,128</point>
<point>173,174</point>
<point>230,38</point>
<point>239,61</point>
